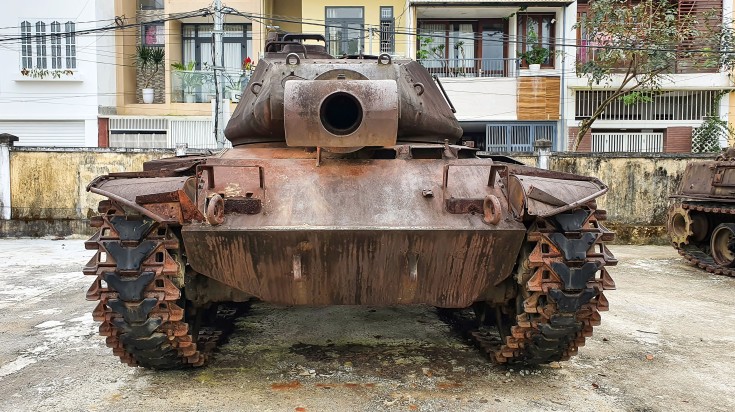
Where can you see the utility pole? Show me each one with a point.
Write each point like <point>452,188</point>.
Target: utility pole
<point>219,64</point>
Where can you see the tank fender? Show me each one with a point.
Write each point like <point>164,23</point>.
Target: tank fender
<point>547,196</point>
<point>169,200</point>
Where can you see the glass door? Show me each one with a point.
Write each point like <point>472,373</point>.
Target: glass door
<point>494,51</point>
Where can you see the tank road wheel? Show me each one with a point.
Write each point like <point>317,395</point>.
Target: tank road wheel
<point>679,225</point>
<point>139,277</point>
<point>720,244</point>
<point>560,277</point>
<point>685,226</point>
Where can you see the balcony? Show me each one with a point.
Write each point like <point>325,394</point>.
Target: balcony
<point>457,67</point>
<point>628,142</point>
<point>198,86</point>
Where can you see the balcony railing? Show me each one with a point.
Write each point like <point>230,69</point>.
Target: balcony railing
<point>627,142</point>
<point>472,67</point>
<point>197,86</point>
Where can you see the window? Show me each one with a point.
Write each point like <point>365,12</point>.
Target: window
<point>476,48</point>
<point>150,4</point>
<point>152,34</point>
<point>197,43</point>
<point>56,45</point>
<point>344,30</point>
<point>26,56</point>
<point>387,27</point>
<point>40,45</point>
<point>71,46</point>
<point>42,41</point>
<point>537,29</point>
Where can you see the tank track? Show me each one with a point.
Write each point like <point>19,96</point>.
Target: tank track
<point>139,277</point>
<point>560,295</point>
<point>696,255</point>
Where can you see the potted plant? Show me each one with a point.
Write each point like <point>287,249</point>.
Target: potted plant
<point>537,55</point>
<point>190,80</point>
<point>150,61</point>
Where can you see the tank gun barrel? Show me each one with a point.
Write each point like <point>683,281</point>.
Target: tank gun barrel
<point>341,113</point>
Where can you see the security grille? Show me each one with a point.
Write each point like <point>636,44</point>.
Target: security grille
<point>665,105</point>
<point>518,137</point>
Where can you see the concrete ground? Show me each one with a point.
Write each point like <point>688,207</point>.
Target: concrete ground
<point>667,343</point>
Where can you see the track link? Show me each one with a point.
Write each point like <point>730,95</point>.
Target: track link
<point>695,254</point>
<point>561,278</point>
<point>139,276</point>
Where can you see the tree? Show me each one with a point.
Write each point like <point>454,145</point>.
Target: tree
<point>640,44</point>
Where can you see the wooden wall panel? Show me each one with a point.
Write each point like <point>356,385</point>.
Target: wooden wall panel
<point>678,140</point>
<point>538,98</point>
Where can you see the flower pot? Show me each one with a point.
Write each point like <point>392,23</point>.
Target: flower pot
<point>148,96</point>
<point>190,98</point>
<point>534,68</point>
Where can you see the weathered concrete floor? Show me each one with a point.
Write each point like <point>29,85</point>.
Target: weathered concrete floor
<point>666,344</point>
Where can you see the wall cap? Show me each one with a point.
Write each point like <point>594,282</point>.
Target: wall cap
<point>7,139</point>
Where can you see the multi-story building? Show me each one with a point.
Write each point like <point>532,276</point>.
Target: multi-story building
<point>182,109</point>
<point>58,70</point>
<point>474,47</point>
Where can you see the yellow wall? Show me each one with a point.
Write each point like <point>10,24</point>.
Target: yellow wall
<point>51,185</point>
<point>125,41</point>
<point>287,10</point>
<point>315,10</point>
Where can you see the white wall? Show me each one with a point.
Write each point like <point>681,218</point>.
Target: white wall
<point>482,98</point>
<point>71,98</point>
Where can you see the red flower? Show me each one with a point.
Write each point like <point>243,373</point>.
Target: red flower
<point>247,64</point>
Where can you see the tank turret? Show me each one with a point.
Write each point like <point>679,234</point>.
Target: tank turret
<point>301,95</point>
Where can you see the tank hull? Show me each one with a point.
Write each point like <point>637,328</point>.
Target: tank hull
<point>701,221</point>
<point>353,232</point>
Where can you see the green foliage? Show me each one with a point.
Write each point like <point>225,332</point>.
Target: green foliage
<point>190,79</point>
<point>706,138</point>
<point>426,50</point>
<point>537,54</point>
<point>636,97</point>
<point>150,61</point>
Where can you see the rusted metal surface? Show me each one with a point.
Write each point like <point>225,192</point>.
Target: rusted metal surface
<point>368,109</point>
<point>354,267</point>
<point>424,117</point>
<point>355,227</point>
<point>560,302</point>
<point>694,244</point>
<point>345,188</point>
<point>702,219</point>
<point>139,311</point>
<point>542,196</point>
<point>163,199</point>
<point>707,180</point>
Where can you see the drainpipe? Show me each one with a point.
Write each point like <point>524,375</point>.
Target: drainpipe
<point>543,151</point>
<point>6,142</point>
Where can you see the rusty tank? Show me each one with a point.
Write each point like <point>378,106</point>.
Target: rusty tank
<point>345,186</point>
<point>701,220</point>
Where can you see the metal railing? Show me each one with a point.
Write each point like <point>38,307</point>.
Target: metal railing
<point>628,142</point>
<point>458,67</point>
<point>197,86</point>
